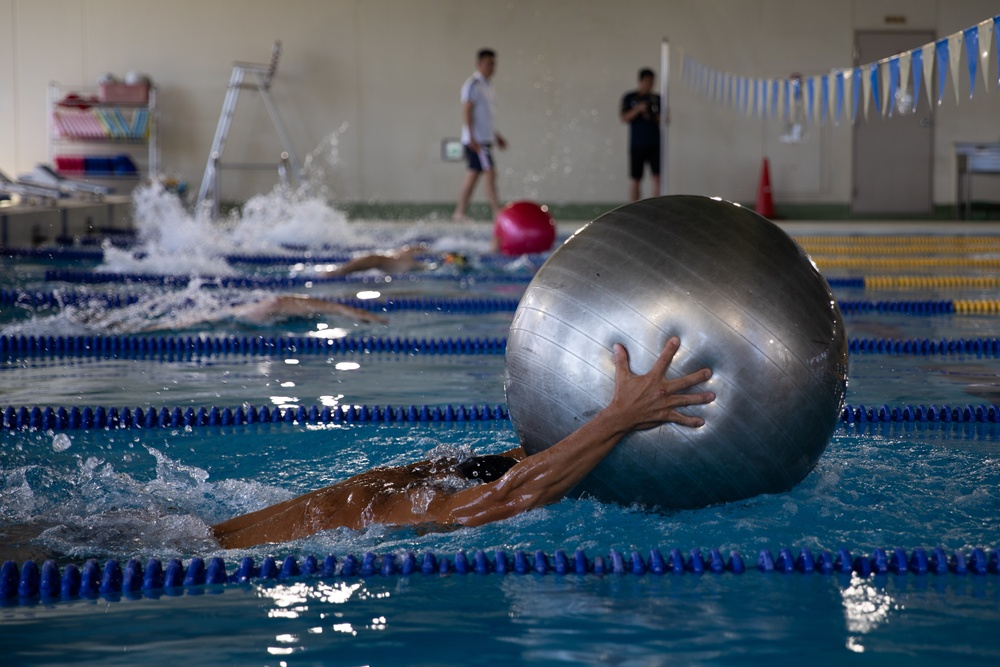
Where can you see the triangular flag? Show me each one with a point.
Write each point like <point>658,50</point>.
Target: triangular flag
<point>795,99</point>
<point>917,60</point>
<point>810,89</point>
<point>996,30</point>
<point>838,105</point>
<point>985,37</point>
<point>971,37</point>
<point>941,46</point>
<point>866,84</point>
<point>885,83</point>
<point>831,96</point>
<point>904,77</point>
<point>893,83</point>
<point>857,85</point>
<point>783,99</point>
<point>876,92</point>
<point>823,100</point>
<point>954,57</point>
<point>928,60</point>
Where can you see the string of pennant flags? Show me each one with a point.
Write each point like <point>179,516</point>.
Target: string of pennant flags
<point>882,85</point>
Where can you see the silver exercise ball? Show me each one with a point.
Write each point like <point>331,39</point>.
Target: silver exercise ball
<point>745,300</point>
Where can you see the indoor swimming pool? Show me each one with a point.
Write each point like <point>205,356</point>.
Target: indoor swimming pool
<point>885,554</point>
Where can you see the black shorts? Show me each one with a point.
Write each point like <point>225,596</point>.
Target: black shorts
<point>639,156</point>
<point>481,161</point>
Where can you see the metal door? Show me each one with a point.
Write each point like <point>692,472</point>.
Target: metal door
<point>892,155</point>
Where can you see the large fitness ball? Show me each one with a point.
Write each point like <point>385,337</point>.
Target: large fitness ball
<point>524,227</point>
<point>745,301</point>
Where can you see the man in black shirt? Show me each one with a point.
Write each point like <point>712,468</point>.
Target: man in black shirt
<point>641,110</point>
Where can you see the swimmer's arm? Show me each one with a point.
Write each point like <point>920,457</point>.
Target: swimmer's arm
<point>640,402</point>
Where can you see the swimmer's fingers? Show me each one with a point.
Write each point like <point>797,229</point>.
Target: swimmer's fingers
<point>659,369</point>
<point>682,419</point>
<point>688,381</point>
<point>666,357</point>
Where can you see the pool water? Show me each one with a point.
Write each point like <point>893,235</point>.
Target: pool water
<point>153,493</point>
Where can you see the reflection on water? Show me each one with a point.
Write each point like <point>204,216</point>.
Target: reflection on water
<point>866,607</point>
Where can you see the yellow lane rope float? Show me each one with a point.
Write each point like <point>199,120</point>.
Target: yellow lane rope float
<point>831,249</point>
<point>881,240</point>
<point>931,282</point>
<point>888,263</point>
<point>977,307</point>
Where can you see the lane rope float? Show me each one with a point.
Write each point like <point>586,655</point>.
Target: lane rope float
<point>174,348</point>
<point>112,582</point>
<point>270,282</point>
<point>64,418</point>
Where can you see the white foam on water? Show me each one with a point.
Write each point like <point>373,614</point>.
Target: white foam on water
<point>108,512</point>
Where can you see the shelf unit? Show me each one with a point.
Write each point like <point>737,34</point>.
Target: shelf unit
<point>103,134</point>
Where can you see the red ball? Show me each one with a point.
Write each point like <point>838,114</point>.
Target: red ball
<point>524,227</point>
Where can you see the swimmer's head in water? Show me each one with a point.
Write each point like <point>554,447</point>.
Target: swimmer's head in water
<point>485,468</point>
<point>457,259</point>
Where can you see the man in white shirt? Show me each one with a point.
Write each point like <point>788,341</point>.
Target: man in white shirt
<point>478,134</point>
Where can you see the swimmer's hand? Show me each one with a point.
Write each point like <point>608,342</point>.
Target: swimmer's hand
<point>645,401</point>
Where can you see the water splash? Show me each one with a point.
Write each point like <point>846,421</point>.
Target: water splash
<point>103,511</point>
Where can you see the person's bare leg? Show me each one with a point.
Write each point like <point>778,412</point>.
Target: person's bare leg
<point>491,192</point>
<point>656,185</point>
<point>465,194</point>
<point>633,190</point>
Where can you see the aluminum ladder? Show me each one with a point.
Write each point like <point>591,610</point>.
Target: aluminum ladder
<point>250,76</point>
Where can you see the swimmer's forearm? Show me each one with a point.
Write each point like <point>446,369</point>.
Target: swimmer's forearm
<point>545,477</point>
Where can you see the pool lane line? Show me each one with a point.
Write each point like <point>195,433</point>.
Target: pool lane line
<point>36,418</point>
<point>58,299</point>
<point>304,257</point>
<point>915,282</point>
<point>880,250</point>
<point>31,584</point>
<point>270,282</point>
<point>838,262</point>
<point>175,348</point>
<point>481,305</point>
<point>168,349</point>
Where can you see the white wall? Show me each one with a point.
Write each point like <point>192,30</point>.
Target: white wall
<point>391,70</point>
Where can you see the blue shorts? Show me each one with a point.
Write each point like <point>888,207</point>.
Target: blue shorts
<point>479,161</point>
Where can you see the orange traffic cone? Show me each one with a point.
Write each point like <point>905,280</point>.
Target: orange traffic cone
<point>765,205</point>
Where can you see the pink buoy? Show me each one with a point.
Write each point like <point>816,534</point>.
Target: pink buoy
<point>524,227</point>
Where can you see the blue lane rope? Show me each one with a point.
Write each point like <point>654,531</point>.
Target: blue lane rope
<point>332,256</point>
<point>270,282</point>
<point>848,307</point>
<point>113,582</point>
<point>924,346</point>
<point>475,305</point>
<point>74,418</point>
<point>849,283</point>
<point>171,348</point>
<point>168,348</point>
<point>935,307</point>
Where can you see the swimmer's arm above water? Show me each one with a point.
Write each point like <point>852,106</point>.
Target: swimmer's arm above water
<point>639,402</point>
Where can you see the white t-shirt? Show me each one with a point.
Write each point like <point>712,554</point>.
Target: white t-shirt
<point>478,90</point>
